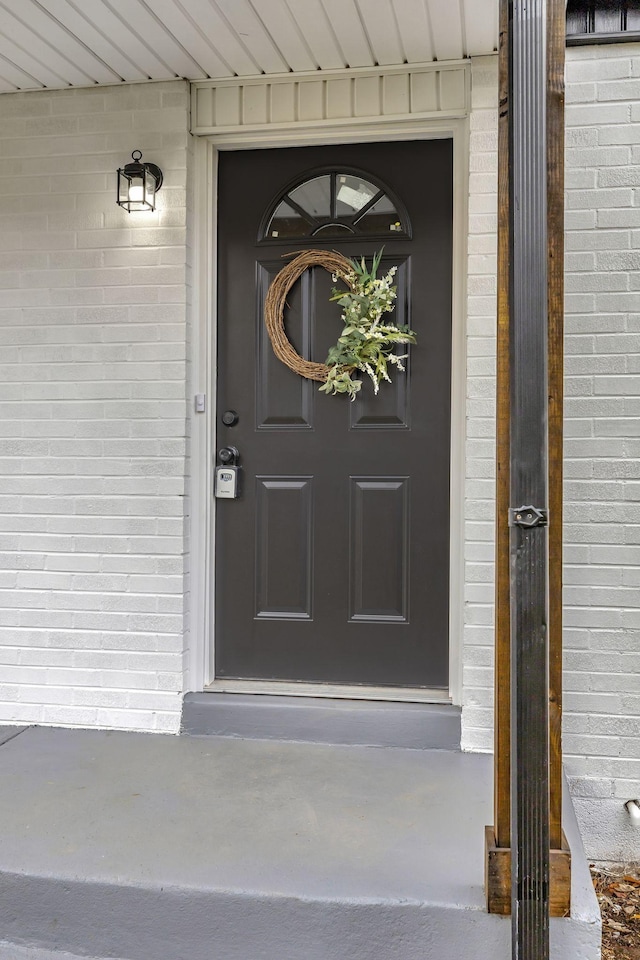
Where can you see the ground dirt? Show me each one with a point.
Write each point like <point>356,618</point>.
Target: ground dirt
<point>618,892</point>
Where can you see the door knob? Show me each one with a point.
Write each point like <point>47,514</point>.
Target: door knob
<point>228,455</point>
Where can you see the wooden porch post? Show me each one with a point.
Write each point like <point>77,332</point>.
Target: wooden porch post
<point>498,862</point>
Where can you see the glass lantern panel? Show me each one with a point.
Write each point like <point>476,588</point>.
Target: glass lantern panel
<point>123,189</point>
<point>136,191</point>
<point>150,190</point>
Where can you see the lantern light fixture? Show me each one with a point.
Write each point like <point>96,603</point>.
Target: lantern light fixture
<point>138,184</point>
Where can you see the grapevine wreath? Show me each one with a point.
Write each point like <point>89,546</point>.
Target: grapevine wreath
<point>367,343</point>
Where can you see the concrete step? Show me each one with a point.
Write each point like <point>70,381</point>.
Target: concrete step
<point>165,848</point>
<point>416,726</point>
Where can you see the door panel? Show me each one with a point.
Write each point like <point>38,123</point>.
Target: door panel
<point>379,580</point>
<point>388,410</point>
<point>284,402</point>
<point>284,577</point>
<point>333,565</point>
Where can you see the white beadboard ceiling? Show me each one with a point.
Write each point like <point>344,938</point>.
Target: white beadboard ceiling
<point>77,43</point>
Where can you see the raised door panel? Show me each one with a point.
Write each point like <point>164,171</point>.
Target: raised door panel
<point>390,408</point>
<point>284,401</point>
<point>284,548</point>
<point>379,568</point>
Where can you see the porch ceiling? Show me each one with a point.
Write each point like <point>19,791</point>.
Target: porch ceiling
<point>56,44</point>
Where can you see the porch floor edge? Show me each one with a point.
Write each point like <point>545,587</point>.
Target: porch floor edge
<point>22,951</point>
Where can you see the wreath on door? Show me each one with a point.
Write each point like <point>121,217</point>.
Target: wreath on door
<point>367,343</point>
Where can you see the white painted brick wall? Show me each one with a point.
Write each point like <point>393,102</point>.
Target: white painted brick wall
<point>480,441</point>
<point>92,410</point>
<point>602,445</point>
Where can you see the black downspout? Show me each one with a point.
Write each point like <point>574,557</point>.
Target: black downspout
<point>528,496</point>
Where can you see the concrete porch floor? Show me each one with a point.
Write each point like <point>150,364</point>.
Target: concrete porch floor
<point>142,847</point>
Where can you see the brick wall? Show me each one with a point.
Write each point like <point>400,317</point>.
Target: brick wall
<point>92,410</point>
<point>602,437</point>
<point>480,440</point>
<point>602,445</point>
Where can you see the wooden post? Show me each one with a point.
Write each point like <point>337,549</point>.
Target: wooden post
<point>555,272</point>
<point>502,677</point>
<point>498,837</point>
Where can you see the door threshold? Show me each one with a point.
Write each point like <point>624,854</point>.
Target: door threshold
<point>329,720</point>
<point>335,691</point>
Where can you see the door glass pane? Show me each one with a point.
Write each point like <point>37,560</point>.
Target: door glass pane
<point>381,218</point>
<point>352,194</point>
<point>287,222</point>
<point>334,204</point>
<point>314,196</point>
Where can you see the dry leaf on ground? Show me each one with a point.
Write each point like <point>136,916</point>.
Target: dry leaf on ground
<point>618,894</point>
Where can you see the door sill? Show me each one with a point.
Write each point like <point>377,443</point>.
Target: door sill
<point>355,722</point>
<point>335,691</point>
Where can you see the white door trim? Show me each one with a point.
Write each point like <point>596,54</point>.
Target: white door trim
<point>199,659</point>
<point>201,241</point>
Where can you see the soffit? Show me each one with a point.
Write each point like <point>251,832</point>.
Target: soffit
<point>56,44</point>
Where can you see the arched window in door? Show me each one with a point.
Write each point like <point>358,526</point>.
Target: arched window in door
<point>335,204</point>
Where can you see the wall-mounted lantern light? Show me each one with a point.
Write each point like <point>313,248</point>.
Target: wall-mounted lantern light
<point>138,184</point>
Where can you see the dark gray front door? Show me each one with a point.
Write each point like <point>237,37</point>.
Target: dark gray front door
<point>333,566</point>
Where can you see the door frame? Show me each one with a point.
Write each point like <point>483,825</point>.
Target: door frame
<point>203,319</point>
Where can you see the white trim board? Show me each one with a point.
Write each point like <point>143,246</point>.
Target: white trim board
<point>202,357</point>
<point>201,662</point>
<point>313,106</point>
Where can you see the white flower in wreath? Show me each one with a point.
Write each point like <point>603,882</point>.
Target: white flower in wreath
<point>366,344</point>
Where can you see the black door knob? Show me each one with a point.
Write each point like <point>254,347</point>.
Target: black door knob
<point>228,455</point>
<point>230,418</point>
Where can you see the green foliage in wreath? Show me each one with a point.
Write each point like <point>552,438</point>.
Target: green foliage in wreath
<point>367,343</point>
